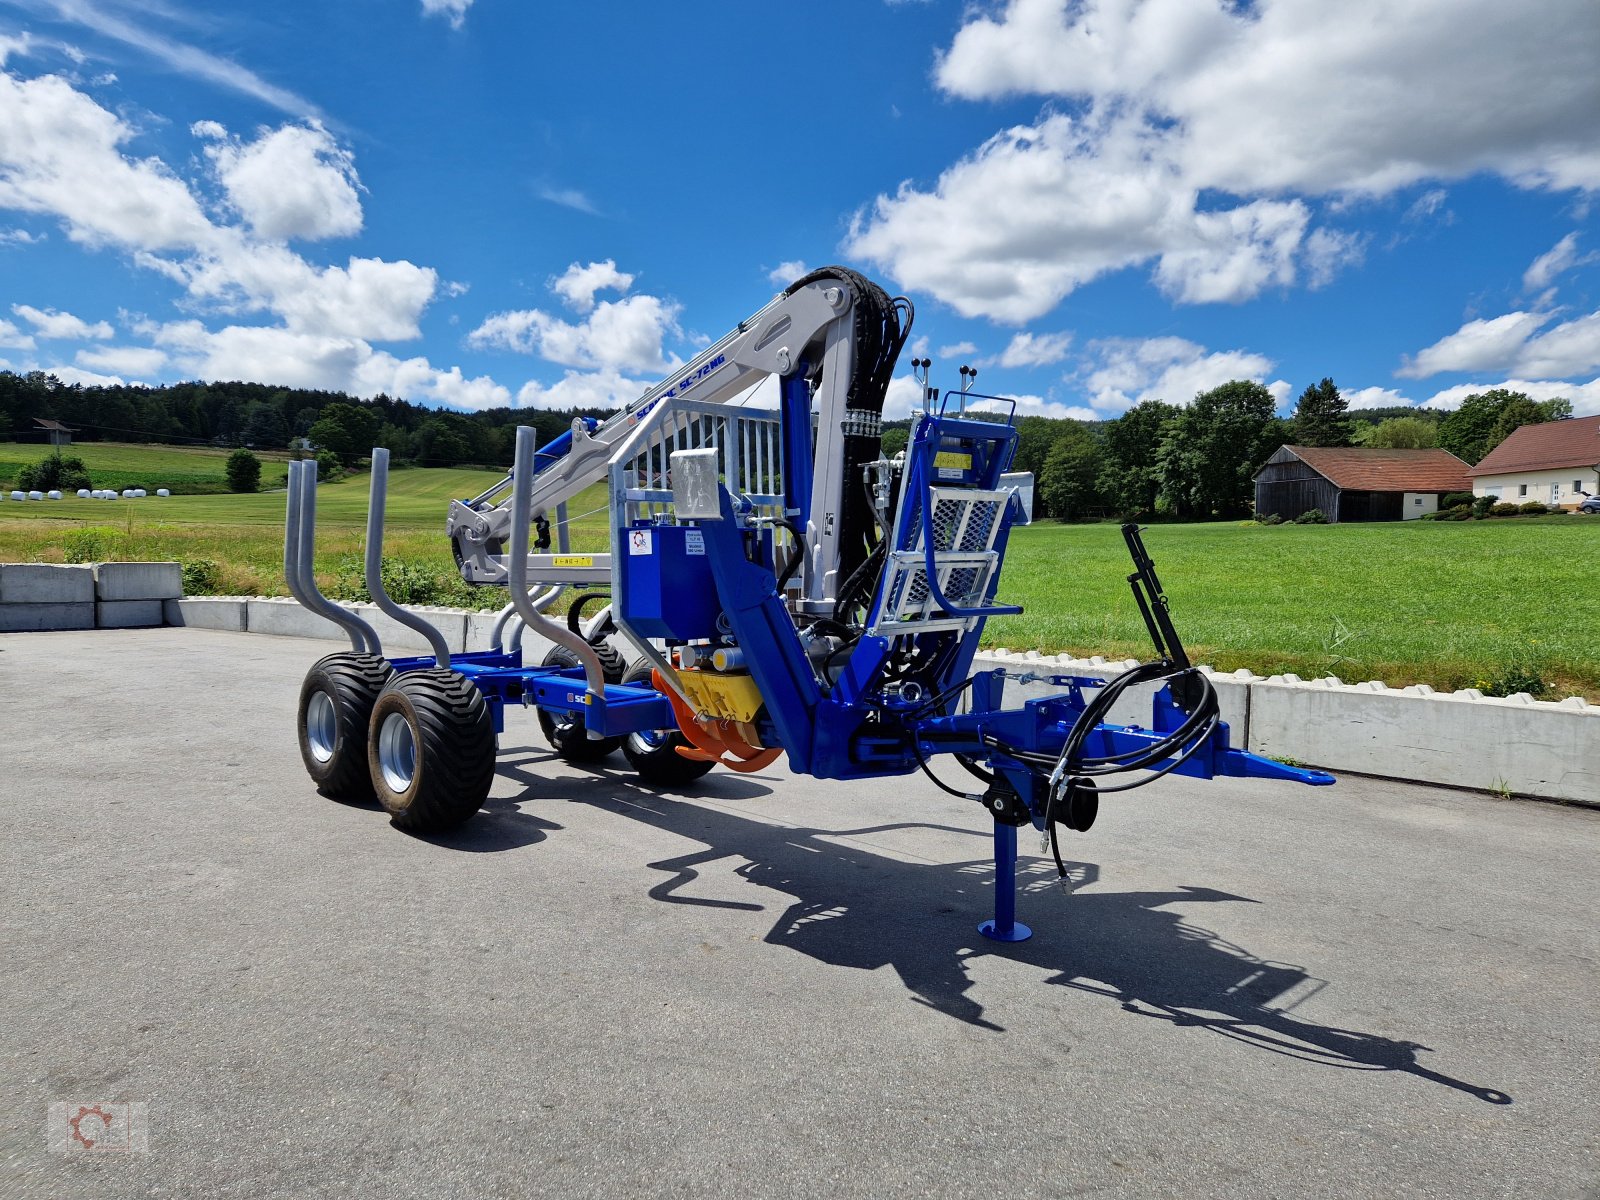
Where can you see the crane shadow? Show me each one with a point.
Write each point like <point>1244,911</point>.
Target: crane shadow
<point>857,904</point>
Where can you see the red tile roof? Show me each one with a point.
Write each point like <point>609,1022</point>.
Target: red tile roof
<point>1549,446</point>
<point>1363,469</point>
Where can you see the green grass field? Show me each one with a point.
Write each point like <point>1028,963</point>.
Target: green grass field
<point>1451,604</point>
<point>1446,603</point>
<point>184,469</point>
<point>243,534</point>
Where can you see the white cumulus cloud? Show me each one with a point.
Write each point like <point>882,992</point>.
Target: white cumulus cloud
<point>1554,262</point>
<point>1034,350</point>
<point>291,182</point>
<point>1198,130</point>
<point>617,335</point>
<point>50,323</point>
<point>1040,210</point>
<point>578,284</point>
<point>1516,343</point>
<point>13,338</point>
<point>144,361</point>
<point>1118,373</point>
<point>786,273</point>
<point>454,10</point>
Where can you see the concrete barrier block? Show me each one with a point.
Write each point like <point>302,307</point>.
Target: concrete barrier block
<point>138,581</point>
<point>207,612</point>
<point>1530,749</point>
<point>128,614</point>
<point>287,618</point>
<point>479,625</point>
<point>18,618</point>
<point>450,622</point>
<point>45,583</point>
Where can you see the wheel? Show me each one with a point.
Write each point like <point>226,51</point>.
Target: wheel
<point>336,702</point>
<point>653,752</point>
<point>430,750</point>
<point>565,731</point>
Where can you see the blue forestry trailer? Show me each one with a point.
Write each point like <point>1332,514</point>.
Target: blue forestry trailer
<point>774,585</point>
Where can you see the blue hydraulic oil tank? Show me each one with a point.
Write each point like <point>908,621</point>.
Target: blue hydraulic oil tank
<point>667,589</point>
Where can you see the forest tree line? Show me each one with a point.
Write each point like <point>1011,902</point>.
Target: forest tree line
<point>1187,462</point>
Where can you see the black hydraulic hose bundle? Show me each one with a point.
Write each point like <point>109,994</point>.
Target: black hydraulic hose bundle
<point>1073,770</point>
<point>882,324</point>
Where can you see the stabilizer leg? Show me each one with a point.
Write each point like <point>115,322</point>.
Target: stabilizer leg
<point>1005,927</point>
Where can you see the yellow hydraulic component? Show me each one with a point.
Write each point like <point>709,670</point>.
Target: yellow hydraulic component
<point>726,697</point>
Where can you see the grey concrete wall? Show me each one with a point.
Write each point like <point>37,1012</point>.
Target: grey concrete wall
<point>45,583</point>
<point>206,612</point>
<point>128,614</point>
<point>34,618</point>
<point>138,580</point>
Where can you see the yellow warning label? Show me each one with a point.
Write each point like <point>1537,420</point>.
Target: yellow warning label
<point>572,560</point>
<point>953,458</point>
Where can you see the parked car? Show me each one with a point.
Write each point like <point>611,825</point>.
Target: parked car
<point>1591,504</point>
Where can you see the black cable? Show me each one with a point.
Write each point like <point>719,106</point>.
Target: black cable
<point>1178,745</point>
<point>575,613</point>
<point>916,750</point>
<point>793,564</point>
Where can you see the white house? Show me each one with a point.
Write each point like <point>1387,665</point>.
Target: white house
<point>1556,463</point>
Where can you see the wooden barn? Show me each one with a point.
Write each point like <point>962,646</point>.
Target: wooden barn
<point>1355,483</point>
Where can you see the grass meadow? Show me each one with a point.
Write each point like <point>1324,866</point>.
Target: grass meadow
<point>183,469</point>
<point>1452,604</point>
<point>1448,603</point>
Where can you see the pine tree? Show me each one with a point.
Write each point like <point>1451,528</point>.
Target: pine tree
<point>1319,417</point>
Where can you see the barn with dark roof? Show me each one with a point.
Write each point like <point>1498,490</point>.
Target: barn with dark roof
<point>1355,483</point>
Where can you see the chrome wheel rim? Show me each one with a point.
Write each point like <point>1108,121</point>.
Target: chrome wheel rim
<point>322,726</point>
<point>397,752</point>
<point>645,741</point>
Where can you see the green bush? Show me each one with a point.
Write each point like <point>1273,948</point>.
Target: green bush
<point>1503,509</point>
<point>93,543</point>
<point>1461,512</point>
<point>1451,499</point>
<point>1519,673</point>
<point>244,471</point>
<point>410,582</point>
<point>1481,506</point>
<point>328,466</point>
<point>1312,516</point>
<point>1533,508</point>
<point>57,473</point>
<point>200,576</point>
<point>1272,519</point>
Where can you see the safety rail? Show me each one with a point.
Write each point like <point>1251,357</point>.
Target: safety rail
<point>748,442</point>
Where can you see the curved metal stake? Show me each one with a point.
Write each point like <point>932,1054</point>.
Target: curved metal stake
<point>300,527</point>
<point>377,498</point>
<point>517,570</point>
<point>1005,927</point>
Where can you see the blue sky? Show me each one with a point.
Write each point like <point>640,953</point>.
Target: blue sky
<point>482,202</point>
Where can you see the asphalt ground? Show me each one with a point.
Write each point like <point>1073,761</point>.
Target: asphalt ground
<point>769,987</point>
